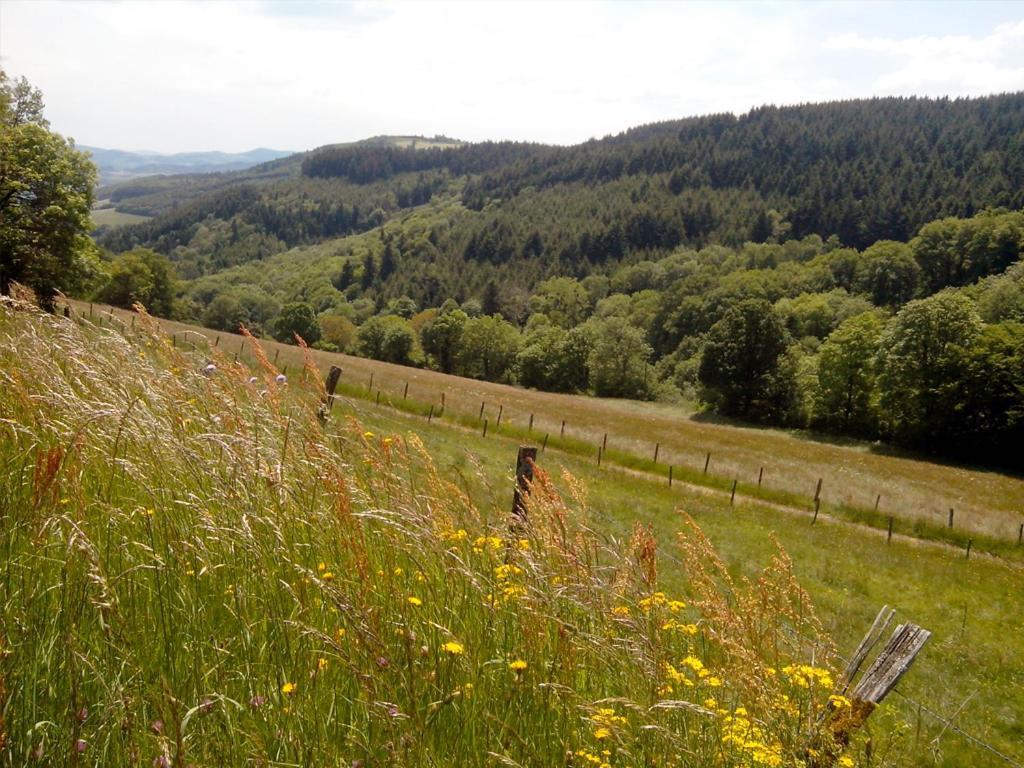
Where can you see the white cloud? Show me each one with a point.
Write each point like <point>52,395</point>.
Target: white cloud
<point>233,75</point>
<point>949,64</point>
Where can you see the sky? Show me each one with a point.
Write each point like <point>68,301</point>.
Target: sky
<point>231,76</point>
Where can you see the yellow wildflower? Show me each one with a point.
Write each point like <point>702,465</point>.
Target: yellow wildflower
<point>321,664</point>
<point>602,733</point>
<point>413,600</point>
<point>620,610</point>
<point>288,689</point>
<point>455,649</point>
<point>518,665</point>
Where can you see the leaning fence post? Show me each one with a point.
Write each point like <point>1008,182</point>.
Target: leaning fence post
<point>485,428</point>
<point>732,496</point>
<point>544,445</point>
<point>525,459</point>
<point>656,447</point>
<point>875,684</point>
<point>501,410</point>
<point>707,460</point>
<point>481,410</point>
<point>331,385</point>
<point>760,476</point>
<point>430,416</point>
<point>405,394</point>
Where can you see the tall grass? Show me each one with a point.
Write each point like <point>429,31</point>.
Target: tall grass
<point>198,570</point>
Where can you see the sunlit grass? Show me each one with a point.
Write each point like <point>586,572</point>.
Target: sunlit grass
<point>197,569</point>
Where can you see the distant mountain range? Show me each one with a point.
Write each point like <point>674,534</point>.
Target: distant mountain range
<point>119,165</point>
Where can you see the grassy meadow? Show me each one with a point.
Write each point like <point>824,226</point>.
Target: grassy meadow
<point>988,506</point>
<point>200,569</point>
<point>246,487</point>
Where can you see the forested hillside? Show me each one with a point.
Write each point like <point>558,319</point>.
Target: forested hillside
<point>767,264</point>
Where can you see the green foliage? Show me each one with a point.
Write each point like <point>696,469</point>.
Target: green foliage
<point>141,276</point>
<point>554,359</point>
<point>337,331</point>
<point>442,337</point>
<point>846,399</point>
<point>888,274</point>
<point>619,360</point>
<point>46,191</point>
<point>389,338</point>
<point>921,365</point>
<point>225,313</point>
<point>297,319</point>
<point>488,348</point>
<point>740,364</point>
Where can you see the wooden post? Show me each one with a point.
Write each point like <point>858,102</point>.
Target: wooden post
<point>950,517</point>
<point>888,536</point>
<point>657,446</point>
<point>405,394</point>
<point>525,459</point>
<point>481,410</point>
<point>331,385</point>
<point>216,342</point>
<point>430,416</point>
<point>669,475</point>
<point>707,460</point>
<point>530,428</point>
<point>544,445</point>
<point>174,340</point>
<point>1020,535</point>
<point>969,543</point>
<point>442,402</point>
<point>285,371</point>
<point>732,496</point>
<point>878,498</point>
<point>599,452</point>
<point>90,311</point>
<point>875,684</point>
<point>501,409</point>
<point>760,477</point>
<point>817,491</point>
<point>133,319</point>
<point>485,428</point>
<point>370,387</point>
<point>561,432</point>
<point>277,353</point>
<point>604,442</point>
<point>378,397</point>
<point>817,506</point>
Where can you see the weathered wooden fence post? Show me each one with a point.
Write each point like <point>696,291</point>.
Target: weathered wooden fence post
<point>875,684</point>
<point>950,517</point>
<point>405,394</point>
<point>333,376</point>
<point>878,498</point>
<point>760,476</point>
<point>485,428</point>
<point>442,402</point>
<point>481,410</point>
<point>530,428</point>
<point>707,460</point>
<point>888,536</point>
<point>604,442</point>
<point>501,410</point>
<point>732,496</point>
<point>657,446</point>
<point>525,459</point>
<point>430,416</point>
<point>669,475</point>
<point>544,445</point>
<point>370,386</point>
<point>561,432</point>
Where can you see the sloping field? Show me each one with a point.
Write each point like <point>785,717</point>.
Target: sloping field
<point>917,492</point>
<point>963,698</point>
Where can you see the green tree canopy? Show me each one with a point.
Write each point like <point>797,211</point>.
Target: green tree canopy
<point>846,399</point>
<point>619,360</point>
<point>141,276</point>
<point>488,348</point>
<point>46,189</point>
<point>297,319</point>
<point>389,338</point>
<point>741,359</point>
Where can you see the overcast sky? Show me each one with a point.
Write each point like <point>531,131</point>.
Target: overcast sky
<point>171,76</point>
